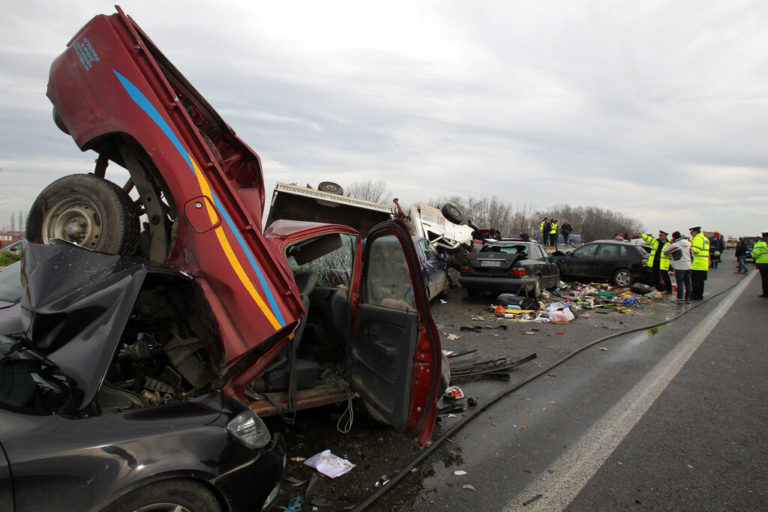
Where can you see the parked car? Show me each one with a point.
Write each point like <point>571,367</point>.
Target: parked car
<point>509,265</point>
<point>433,267</point>
<point>731,242</point>
<point>619,262</point>
<point>115,402</point>
<point>574,240</point>
<point>283,302</point>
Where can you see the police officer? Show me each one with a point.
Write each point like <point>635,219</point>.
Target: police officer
<point>699,263</point>
<point>760,253</point>
<point>553,233</point>
<point>544,228</point>
<point>659,262</point>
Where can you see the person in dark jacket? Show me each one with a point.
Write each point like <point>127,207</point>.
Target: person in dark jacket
<point>565,230</point>
<point>741,254</point>
<point>716,248</point>
<point>546,227</point>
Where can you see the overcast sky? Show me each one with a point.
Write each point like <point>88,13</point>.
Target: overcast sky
<point>658,110</point>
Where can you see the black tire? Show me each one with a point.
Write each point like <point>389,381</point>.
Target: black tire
<point>85,210</point>
<point>59,122</point>
<point>331,188</point>
<point>452,213</point>
<point>167,496</point>
<point>622,278</point>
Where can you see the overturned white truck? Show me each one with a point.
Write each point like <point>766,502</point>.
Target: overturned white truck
<point>449,232</point>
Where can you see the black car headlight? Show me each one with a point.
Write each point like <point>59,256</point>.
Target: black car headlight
<point>250,430</point>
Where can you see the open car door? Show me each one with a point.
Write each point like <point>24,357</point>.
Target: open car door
<point>395,358</point>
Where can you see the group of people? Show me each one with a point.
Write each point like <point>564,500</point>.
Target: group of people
<point>691,261</point>
<point>549,231</point>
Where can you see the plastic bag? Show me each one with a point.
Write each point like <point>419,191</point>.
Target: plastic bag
<point>561,315</point>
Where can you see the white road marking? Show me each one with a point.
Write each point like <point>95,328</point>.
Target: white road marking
<point>557,487</point>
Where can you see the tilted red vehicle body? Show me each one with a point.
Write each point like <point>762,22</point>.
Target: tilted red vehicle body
<point>198,193</point>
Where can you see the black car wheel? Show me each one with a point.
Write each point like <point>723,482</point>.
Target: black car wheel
<point>168,496</point>
<point>622,278</point>
<point>452,213</point>
<point>88,211</point>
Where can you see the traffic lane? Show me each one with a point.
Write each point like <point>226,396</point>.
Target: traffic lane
<point>513,441</point>
<point>704,444</point>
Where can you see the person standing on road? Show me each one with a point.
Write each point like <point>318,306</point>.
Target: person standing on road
<point>700,262</point>
<point>553,233</point>
<point>659,261</point>
<point>545,227</point>
<point>680,253</point>
<point>566,229</point>
<point>741,254</point>
<point>760,253</point>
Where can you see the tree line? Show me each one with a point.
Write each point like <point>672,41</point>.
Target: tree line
<point>591,222</point>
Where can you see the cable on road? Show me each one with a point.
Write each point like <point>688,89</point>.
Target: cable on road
<point>511,389</point>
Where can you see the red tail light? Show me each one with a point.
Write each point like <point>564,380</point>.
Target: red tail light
<point>517,272</point>
<point>465,270</point>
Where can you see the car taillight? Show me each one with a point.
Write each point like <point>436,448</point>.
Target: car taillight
<point>250,430</point>
<point>465,270</point>
<point>517,272</point>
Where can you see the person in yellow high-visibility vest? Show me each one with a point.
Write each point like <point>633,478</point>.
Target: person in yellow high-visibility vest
<point>553,233</point>
<point>760,253</point>
<point>699,263</point>
<point>659,261</point>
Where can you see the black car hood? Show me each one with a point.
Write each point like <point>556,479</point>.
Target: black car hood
<point>75,307</point>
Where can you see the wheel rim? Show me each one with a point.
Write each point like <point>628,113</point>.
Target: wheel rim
<point>623,278</point>
<point>75,220</point>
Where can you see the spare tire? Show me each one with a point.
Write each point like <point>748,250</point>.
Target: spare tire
<point>85,210</point>
<point>330,187</point>
<point>453,213</point>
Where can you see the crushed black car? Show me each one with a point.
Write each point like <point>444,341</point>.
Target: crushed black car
<point>112,401</point>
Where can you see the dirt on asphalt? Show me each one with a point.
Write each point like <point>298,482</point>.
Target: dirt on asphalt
<point>379,453</point>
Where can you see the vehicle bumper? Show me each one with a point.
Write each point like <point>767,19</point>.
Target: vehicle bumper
<point>497,283</point>
<point>256,480</point>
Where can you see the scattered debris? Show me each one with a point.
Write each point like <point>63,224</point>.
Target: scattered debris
<point>329,464</point>
<point>454,393</point>
<point>459,472</point>
<point>492,368</point>
<point>469,487</point>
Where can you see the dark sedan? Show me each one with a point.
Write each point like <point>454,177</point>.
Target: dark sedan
<point>515,266</point>
<point>621,263</point>
<point>113,402</point>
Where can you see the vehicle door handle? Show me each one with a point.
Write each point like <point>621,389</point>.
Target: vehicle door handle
<point>386,351</point>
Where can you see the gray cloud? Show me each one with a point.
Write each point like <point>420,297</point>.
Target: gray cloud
<point>654,109</point>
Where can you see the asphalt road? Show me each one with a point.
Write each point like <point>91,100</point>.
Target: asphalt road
<point>670,418</point>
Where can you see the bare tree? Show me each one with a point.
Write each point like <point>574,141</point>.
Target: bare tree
<point>591,222</point>
<point>374,191</point>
